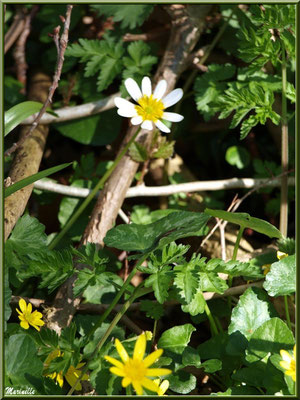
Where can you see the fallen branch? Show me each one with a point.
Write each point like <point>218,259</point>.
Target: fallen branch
<point>14,30</point>
<point>153,191</point>
<point>71,113</point>
<point>61,48</point>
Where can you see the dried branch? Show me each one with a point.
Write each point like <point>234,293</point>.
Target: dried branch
<point>71,113</point>
<point>14,30</point>
<point>152,191</point>
<point>60,60</point>
<point>20,50</point>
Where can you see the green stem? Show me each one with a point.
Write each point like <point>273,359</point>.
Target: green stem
<point>283,225</point>
<point>213,326</point>
<point>99,185</point>
<point>106,335</point>
<point>118,296</point>
<point>234,256</point>
<point>218,323</point>
<point>154,331</point>
<point>287,314</point>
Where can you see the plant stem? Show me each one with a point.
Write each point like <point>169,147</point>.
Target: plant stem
<point>118,296</point>
<point>234,256</point>
<point>99,185</point>
<point>213,326</point>
<point>154,331</point>
<point>284,151</point>
<point>287,314</point>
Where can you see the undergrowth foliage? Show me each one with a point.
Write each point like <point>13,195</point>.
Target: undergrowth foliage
<point>170,312</point>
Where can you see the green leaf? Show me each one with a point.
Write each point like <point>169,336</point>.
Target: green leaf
<point>176,339</point>
<point>237,156</point>
<point>235,268</point>
<point>165,149</point>
<point>169,254</point>
<point>152,310</point>
<point>270,337</point>
<point>110,68</point>
<point>182,382</point>
<point>138,152</point>
<point>211,366</point>
<point>244,220</point>
<point>7,296</point>
<point>252,310</point>
<point>97,130</point>
<point>186,280</point>
<point>33,178</point>
<point>130,15</point>
<point>190,357</point>
<point>197,305</point>
<point>287,245</point>
<point>18,113</point>
<point>211,282</point>
<point>21,359</point>
<point>160,282</point>
<point>281,280</point>
<point>144,238</point>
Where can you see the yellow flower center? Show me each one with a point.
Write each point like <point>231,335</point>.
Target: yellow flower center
<point>149,108</point>
<point>135,369</point>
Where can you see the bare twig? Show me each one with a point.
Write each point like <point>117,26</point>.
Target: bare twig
<point>14,31</point>
<point>60,60</point>
<point>70,113</point>
<point>20,50</point>
<point>152,35</point>
<point>152,191</point>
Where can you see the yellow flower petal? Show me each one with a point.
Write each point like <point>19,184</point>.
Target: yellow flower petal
<point>281,254</point>
<point>115,362</point>
<point>121,350</point>
<point>117,371</point>
<point>126,381</point>
<point>140,347</point>
<point>24,324</point>
<point>164,386</point>
<point>60,379</point>
<point>138,388</point>
<point>285,364</point>
<point>158,371</point>
<point>23,305</point>
<point>151,358</point>
<point>150,385</point>
<point>29,308</point>
<point>285,355</point>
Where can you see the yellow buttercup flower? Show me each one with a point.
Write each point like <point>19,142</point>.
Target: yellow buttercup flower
<point>135,370</point>
<point>289,363</point>
<point>163,386</point>
<point>281,254</point>
<point>27,317</point>
<point>266,268</point>
<point>71,375</point>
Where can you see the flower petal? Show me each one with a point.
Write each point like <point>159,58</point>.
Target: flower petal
<point>164,386</point>
<point>160,89</point>
<point>285,364</point>
<point>117,371</point>
<point>138,388</point>
<point>29,308</point>
<point>136,120</point>
<point>60,379</point>
<point>147,125</point>
<point>24,324</point>
<point>126,109</point>
<point>146,86</point>
<point>22,305</point>
<point>162,127</point>
<point>133,89</point>
<point>158,371</point>
<point>121,350</point>
<point>126,381</point>
<point>172,97</point>
<point>115,362</point>
<point>150,385</point>
<point>285,355</point>
<point>173,117</point>
<point>149,360</point>
<point>140,347</point>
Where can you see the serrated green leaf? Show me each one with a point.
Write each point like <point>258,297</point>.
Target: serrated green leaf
<point>144,238</point>
<point>110,68</point>
<point>197,305</point>
<point>138,152</point>
<point>186,280</point>
<point>244,220</point>
<point>152,310</point>
<point>33,178</point>
<point>252,310</point>
<point>287,245</point>
<point>176,339</point>
<point>130,15</point>
<point>234,268</point>
<point>160,282</point>
<point>18,113</point>
<point>165,149</point>
<point>281,280</point>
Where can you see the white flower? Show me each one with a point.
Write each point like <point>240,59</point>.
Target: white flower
<point>150,107</point>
